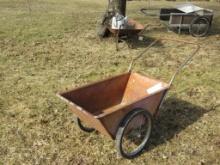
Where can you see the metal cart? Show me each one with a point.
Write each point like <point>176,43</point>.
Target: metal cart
<point>121,107</point>
<point>187,16</point>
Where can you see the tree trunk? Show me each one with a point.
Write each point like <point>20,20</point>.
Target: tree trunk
<point>122,7</point>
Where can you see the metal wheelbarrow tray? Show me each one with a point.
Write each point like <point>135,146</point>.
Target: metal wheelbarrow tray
<point>134,29</point>
<point>102,105</point>
<point>121,107</point>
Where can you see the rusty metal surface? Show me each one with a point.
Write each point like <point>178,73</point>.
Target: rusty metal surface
<point>103,104</point>
<point>136,28</point>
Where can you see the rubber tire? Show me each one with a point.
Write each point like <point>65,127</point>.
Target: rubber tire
<point>82,127</point>
<point>194,21</point>
<point>119,135</point>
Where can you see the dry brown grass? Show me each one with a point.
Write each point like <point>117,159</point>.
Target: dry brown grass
<point>56,48</point>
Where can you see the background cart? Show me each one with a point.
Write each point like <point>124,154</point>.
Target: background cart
<point>133,30</point>
<point>187,16</point>
<point>121,107</point>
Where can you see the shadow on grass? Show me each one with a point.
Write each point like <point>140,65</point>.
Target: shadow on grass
<point>134,42</point>
<point>215,30</point>
<point>175,115</point>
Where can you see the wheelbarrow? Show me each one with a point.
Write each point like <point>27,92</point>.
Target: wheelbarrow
<point>134,29</point>
<point>121,107</point>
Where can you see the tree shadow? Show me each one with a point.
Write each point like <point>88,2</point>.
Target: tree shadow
<point>175,116</point>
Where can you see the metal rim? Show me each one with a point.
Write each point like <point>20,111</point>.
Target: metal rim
<point>199,27</point>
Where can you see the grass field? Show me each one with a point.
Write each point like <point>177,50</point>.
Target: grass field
<point>48,46</point>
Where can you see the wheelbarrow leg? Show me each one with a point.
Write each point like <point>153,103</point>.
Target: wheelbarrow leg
<point>117,41</point>
<point>179,30</point>
<point>180,26</point>
<point>82,126</point>
<point>129,41</point>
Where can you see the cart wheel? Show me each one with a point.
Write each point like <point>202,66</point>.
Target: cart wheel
<point>83,127</point>
<point>133,133</point>
<point>199,27</point>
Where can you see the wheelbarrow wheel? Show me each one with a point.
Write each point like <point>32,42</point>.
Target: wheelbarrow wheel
<point>82,126</point>
<point>133,133</point>
<point>199,27</point>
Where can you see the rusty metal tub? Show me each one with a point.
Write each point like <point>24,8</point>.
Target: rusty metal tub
<point>103,104</point>
<point>121,107</point>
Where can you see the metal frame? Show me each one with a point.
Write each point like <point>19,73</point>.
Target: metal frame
<point>188,59</point>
